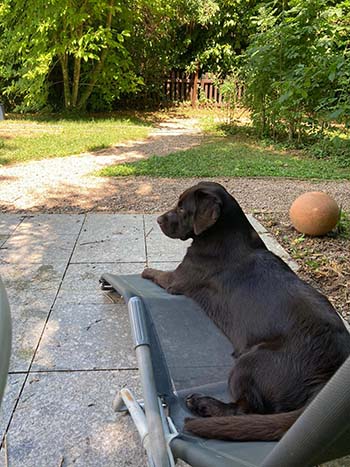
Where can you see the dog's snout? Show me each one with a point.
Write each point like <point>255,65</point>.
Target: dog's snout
<point>169,224</point>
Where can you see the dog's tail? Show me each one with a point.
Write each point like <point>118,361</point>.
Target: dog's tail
<point>251,427</point>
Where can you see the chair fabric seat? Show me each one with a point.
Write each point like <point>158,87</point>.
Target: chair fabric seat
<point>189,354</point>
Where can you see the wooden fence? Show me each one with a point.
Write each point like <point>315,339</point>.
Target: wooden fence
<point>180,86</point>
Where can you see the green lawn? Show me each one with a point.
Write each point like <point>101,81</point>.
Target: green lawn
<point>36,138</point>
<point>233,157</point>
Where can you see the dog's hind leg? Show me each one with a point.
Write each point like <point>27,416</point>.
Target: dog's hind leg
<point>246,395</point>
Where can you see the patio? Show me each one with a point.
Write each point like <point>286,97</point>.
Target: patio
<point>71,343</point>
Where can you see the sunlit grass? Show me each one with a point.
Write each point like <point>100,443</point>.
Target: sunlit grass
<point>230,157</point>
<point>30,139</point>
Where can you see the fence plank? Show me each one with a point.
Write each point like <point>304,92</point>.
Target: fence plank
<point>180,86</point>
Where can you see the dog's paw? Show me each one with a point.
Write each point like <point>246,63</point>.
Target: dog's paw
<point>148,273</point>
<point>199,404</point>
<point>206,406</point>
<point>173,290</point>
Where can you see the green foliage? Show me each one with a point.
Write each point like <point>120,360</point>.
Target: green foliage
<point>333,146</point>
<point>297,69</point>
<point>63,50</point>
<point>151,46</point>
<point>343,226</point>
<point>86,54</point>
<point>213,33</point>
<point>229,89</point>
<point>228,158</point>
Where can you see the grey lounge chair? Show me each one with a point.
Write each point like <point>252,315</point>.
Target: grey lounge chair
<point>179,351</point>
<point>5,338</point>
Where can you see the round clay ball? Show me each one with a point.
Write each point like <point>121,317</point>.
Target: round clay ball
<point>314,213</point>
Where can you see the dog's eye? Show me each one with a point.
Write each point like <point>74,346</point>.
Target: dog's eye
<point>180,210</point>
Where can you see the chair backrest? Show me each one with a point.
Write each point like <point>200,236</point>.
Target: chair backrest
<point>5,338</point>
<point>322,432</point>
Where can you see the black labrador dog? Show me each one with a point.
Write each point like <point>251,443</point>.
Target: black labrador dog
<point>288,339</point>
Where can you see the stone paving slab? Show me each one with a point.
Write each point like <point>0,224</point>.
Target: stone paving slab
<point>31,289</point>
<point>25,275</point>
<point>111,238</point>
<point>3,239</point>
<point>164,265</point>
<point>34,297</point>
<point>256,224</point>
<point>160,247</point>
<point>36,248</point>
<point>27,326</point>
<point>86,337</point>
<point>65,419</point>
<point>52,224</point>
<point>81,282</point>
<point>8,223</point>
<point>12,391</point>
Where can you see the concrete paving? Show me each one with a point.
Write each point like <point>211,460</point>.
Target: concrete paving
<point>71,345</point>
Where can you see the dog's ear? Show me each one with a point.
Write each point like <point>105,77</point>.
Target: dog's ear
<point>207,211</point>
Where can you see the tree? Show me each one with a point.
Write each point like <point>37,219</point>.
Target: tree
<point>213,34</point>
<point>83,39</point>
<point>297,67</point>
<point>152,45</point>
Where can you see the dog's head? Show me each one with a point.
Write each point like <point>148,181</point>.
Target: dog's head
<point>198,209</point>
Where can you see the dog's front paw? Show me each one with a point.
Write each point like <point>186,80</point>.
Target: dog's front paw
<point>148,273</point>
<point>173,290</point>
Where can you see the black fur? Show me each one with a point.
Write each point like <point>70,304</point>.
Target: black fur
<point>287,337</point>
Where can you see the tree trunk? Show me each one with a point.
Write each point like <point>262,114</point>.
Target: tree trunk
<point>195,88</point>
<point>76,81</point>
<point>263,117</point>
<point>99,65</point>
<point>76,69</point>
<point>65,73</point>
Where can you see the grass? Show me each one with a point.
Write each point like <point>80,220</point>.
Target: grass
<point>33,138</point>
<point>233,156</point>
<point>343,226</point>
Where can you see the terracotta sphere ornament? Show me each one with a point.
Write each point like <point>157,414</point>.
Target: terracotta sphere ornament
<point>314,213</point>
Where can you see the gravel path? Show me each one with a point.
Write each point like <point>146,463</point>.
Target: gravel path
<point>65,184</point>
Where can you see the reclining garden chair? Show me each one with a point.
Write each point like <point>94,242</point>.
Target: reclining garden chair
<point>180,351</point>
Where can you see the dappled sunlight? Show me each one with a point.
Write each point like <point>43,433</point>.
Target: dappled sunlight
<point>144,189</point>
<point>46,358</point>
<point>11,129</point>
<point>32,263</point>
<point>69,183</point>
<point>35,248</point>
<point>26,334</point>
<point>7,178</point>
<point>109,438</point>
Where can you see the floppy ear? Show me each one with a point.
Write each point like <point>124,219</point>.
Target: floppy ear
<point>208,210</point>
